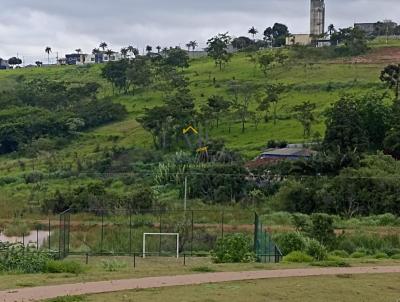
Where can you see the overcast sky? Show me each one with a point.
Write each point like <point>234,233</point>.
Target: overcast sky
<point>27,26</point>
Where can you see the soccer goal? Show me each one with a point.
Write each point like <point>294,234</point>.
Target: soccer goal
<point>176,235</point>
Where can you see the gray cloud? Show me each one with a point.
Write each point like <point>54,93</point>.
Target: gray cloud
<point>27,26</point>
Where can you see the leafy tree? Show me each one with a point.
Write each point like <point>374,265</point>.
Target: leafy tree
<point>139,74</point>
<point>149,49</point>
<point>218,105</point>
<point>116,74</point>
<point>14,61</point>
<point>273,92</point>
<point>78,51</point>
<point>241,103</point>
<point>305,114</point>
<point>265,60</point>
<point>39,63</point>
<point>331,29</point>
<point>353,41</point>
<point>344,127</point>
<point>391,76</point>
<point>276,34</point>
<point>176,57</point>
<point>218,49</point>
<point>133,50</point>
<point>253,31</point>
<point>158,48</point>
<point>242,43</point>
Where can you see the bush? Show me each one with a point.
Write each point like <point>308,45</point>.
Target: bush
<point>18,258</point>
<point>301,222</point>
<point>70,267</point>
<point>347,245</point>
<point>203,269</point>
<point>331,263</point>
<point>396,257</point>
<point>298,257</point>
<point>233,248</point>
<point>290,242</point>
<point>316,250</point>
<point>113,265</point>
<point>322,228</point>
<point>340,253</point>
<point>358,255</point>
<point>381,255</point>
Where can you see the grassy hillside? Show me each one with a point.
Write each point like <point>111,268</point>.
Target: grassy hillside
<point>321,82</point>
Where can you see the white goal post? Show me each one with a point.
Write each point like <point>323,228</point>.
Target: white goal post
<point>161,234</point>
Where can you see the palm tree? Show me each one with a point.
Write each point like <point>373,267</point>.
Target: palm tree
<point>124,52</point>
<point>194,45</point>
<point>189,45</point>
<point>103,45</point>
<point>253,31</point>
<point>109,53</point>
<point>78,51</point>
<point>158,48</point>
<point>149,48</point>
<point>331,29</point>
<point>48,51</point>
<point>38,63</point>
<point>95,51</point>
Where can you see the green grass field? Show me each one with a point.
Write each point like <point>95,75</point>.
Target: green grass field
<point>343,288</point>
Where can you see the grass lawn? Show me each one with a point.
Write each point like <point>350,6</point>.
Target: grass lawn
<point>343,288</point>
<point>153,267</point>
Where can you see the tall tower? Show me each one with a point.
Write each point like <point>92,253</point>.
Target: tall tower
<point>317,27</point>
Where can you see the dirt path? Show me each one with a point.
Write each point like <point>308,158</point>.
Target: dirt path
<point>48,292</point>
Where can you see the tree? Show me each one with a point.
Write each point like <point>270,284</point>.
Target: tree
<point>344,127</point>
<point>331,29</point>
<point>193,45</point>
<point>218,105</point>
<point>115,73</point>
<point>176,57</point>
<point>39,63</point>
<point>391,76</point>
<point>158,49</point>
<point>139,74</point>
<point>48,51</point>
<point>265,60</point>
<point>305,114</point>
<point>273,92</point>
<point>149,49</point>
<point>353,40</point>
<point>124,52</point>
<point>268,34</point>
<point>95,51</point>
<point>133,50</point>
<point>241,103</point>
<point>78,51</point>
<point>14,61</point>
<point>218,49</point>
<point>103,46</point>
<point>253,31</point>
<point>109,53</point>
<point>242,43</point>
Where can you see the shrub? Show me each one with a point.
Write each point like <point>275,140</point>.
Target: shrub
<point>18,258</point>
<point>233,248</point>
<point>316,250</point>
<point>381,255</point>
<point>301,222</point>
<point>290,242</point>
<point>298,257</point>
<point>113,265</point>
<point>396,257</point>
<point>340,253</point>
<point>322,228</point>
<point>70,267</point>
<point>358,254</point>
<point>347,245</point>
<point>391,251</point>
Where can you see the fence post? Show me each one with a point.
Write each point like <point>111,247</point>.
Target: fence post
<point>59,237</point>
<point>49,234</point>
<point>222,223</point>
<point>134,260</point>
<point>102,232</point>
<point>191,241</point>
<point>130,232</point>
<point>37,238</point>
<point>87,258</point>
<point>159,247</point>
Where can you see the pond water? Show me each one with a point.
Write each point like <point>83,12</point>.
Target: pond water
<point>33,238</point>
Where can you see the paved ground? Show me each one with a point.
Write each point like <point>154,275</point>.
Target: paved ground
<point>48,292</point>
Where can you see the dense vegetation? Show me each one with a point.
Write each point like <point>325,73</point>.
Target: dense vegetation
<point>114,139</point>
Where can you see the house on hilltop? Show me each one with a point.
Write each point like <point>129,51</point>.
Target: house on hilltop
<point>4,64</point>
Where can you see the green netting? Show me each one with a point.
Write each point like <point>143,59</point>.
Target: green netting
<point>264,247</point>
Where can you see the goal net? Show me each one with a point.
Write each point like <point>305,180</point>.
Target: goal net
<point>160,243</point>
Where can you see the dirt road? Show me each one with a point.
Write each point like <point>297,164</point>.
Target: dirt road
<point>48,292</point>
